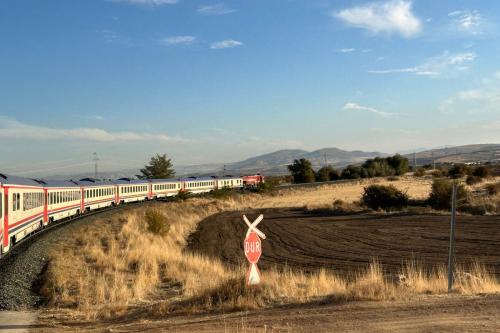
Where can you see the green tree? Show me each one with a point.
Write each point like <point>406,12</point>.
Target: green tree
<point>351,172</point>
<point>400,164</point>
<point>327,173</point>
<point>160,167</point>
<point>302,171</point>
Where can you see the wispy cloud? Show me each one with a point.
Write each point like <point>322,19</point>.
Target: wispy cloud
<point>437,66</point>
<point>147,2</point>
<point>355,106</point>
<point>178,40</point>
<point>215,9</point>
<point>13,129</point>
<point>225,44</point>
<point>346,50</point>
<point>486,97</point>
<point>469,21</point>
<point>383,18</point>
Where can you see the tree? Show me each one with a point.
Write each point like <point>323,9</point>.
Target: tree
<point>326,173</point>
<point>400,164</point>
<point>160,167</point>
<point>351,172</point>
<point>302,171</point>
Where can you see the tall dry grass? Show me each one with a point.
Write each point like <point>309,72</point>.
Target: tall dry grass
<point>117,265</point>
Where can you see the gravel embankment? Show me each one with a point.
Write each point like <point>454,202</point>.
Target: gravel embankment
<point>21,271</point>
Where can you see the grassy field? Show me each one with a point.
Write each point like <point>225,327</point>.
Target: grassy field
<point>117,266</point>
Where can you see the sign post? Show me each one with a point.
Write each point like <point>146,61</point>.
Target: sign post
<point>252,246</point>
<point>452,235</point>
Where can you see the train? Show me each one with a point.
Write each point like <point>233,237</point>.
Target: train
<point>29,205</point>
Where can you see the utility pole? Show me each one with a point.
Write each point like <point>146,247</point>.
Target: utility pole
<point>452,236</point>
<point>95,159</point>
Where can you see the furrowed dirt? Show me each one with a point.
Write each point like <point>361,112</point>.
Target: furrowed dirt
<point>309,241</point>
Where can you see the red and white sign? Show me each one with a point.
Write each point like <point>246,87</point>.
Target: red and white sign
<point>252,246</point>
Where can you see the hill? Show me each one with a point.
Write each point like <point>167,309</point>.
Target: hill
<point>476,153</point>
<point>277,162</point>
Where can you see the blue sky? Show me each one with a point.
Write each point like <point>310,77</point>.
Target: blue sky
<point>219,81</point>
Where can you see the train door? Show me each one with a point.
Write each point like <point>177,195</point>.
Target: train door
<point>6,243</point>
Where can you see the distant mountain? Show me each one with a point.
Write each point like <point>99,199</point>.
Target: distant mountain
<point>460,154</point>
<point>277,162</point>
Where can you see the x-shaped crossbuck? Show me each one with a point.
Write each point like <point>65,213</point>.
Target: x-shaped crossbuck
<point>253,226</point>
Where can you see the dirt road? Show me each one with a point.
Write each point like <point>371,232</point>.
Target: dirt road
<point>426,314</point>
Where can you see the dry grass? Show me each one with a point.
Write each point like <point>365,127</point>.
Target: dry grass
<point>112,267</point>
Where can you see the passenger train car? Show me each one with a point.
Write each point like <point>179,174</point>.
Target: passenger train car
<point>23,208</point>
<point>28,205</point>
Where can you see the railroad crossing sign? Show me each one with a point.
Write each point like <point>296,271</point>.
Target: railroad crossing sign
<point>252,246</point>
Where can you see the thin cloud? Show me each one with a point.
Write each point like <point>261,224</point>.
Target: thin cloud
<point>225,44</point>
<point>467,21</point>
<point>382,18</point>
<point>147,2</point>
<point>178,40</point>
<point>486,97</point>
<point>13,129</point>
<point>215,10</point>
<point>437,66</point>
<point>347,50</point>
<point>355,106</point>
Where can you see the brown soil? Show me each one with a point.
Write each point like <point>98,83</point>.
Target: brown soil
<point>345,243</point>
<point>426,314</point>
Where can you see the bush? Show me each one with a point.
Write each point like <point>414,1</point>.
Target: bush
<point>420,172</point>
<point>440,197</point>
<point>183,195</point>
<point>222,193</point>
<point>157,223</point>
<point>481,172</point>
<point>384,197</point>
<point>472,180</point>
<point>459,171</point>
<point>493,189</point>
<point>266,187</point>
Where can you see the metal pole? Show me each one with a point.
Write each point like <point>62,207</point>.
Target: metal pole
<point>452,236</point>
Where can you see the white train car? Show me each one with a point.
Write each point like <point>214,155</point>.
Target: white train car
<point>198,185</point>
<point>162,188</point>
<point>229,182</point>
<point>132,190</point>
<point>97,193</point>
<point>64,199</point>
<point>22,209</point>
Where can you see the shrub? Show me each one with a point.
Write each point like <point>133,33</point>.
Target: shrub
<point>266,187</point>
<point>392,178</point>
<point>459,171</point>
<point>183,195</point>
<point>472,180</point>
<point>481,172</point>
<point>493,189</point>
<point>440,197</point>
<point>222,193</point>
<point>385,197</point>
<point>157,223</point>
<point>420,172</point>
